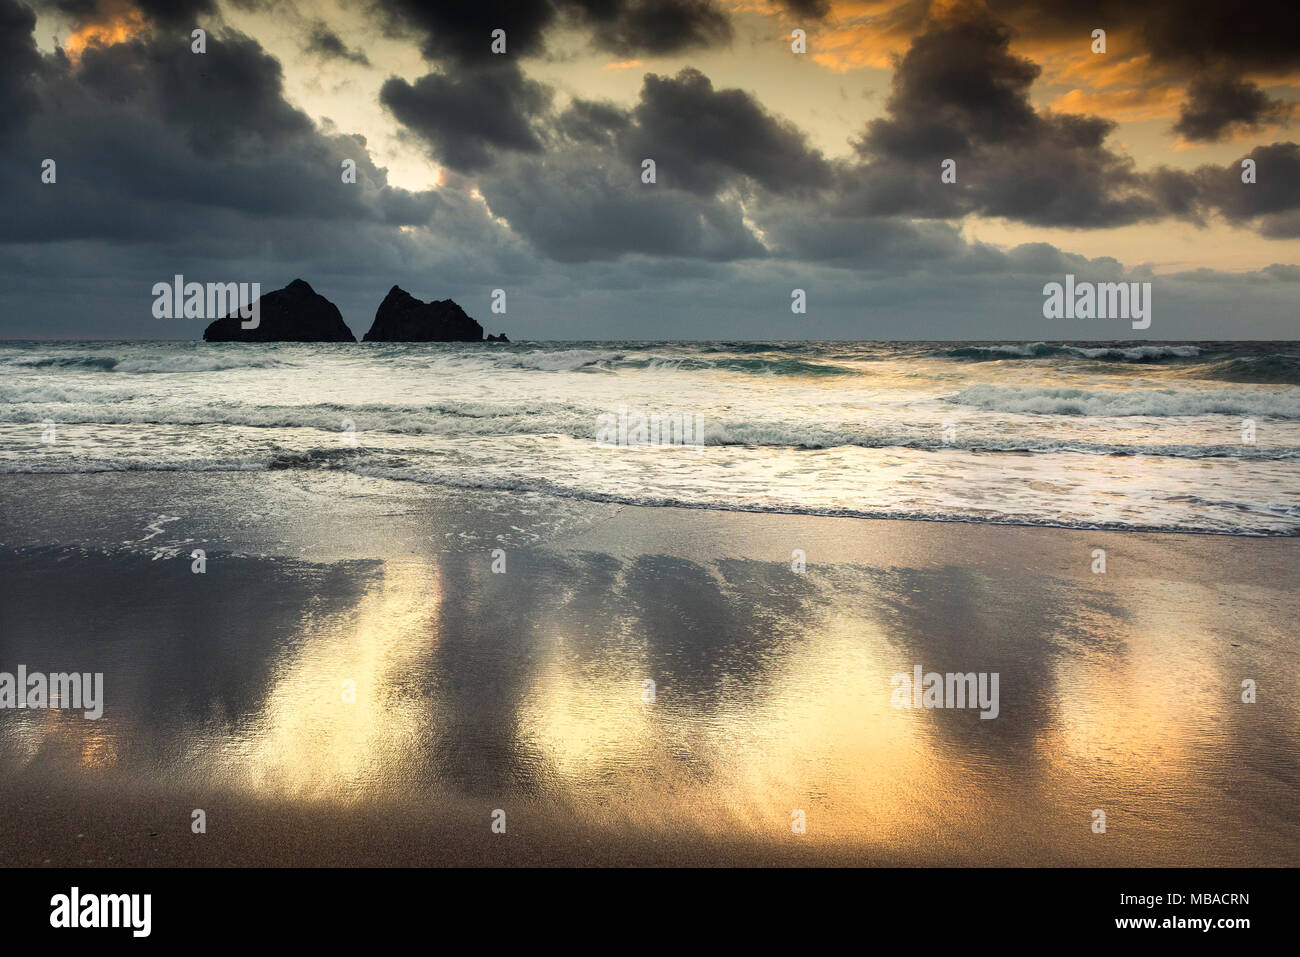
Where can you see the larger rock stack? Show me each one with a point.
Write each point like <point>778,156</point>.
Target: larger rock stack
<point>296,313</point>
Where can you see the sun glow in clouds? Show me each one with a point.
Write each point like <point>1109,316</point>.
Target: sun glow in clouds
<point>125,25</point>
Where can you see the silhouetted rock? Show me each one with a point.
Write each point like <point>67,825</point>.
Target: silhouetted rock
<point>296,313</point>
<point>403,318</point>
<point>500,338</point>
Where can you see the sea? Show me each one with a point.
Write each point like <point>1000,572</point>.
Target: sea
<point>1187,436</point>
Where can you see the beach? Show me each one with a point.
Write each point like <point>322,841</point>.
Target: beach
<point>524,690</point>
<point>648,434</point>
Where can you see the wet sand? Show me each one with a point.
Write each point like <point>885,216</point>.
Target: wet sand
<point>526,691</point>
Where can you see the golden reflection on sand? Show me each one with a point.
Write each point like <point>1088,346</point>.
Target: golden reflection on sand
<point>91,744</point>
<point>310,740</point>
<point>816,733</point>
<point>1144,714</point>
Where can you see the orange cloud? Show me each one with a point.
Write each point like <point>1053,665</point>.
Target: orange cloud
<point>866,33</point>
<point>1123,105</point>
<point>853,35</point>
<point>121,22</point>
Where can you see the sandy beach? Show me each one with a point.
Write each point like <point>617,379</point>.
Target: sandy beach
<point>648,434</point>
<point>526,691</point>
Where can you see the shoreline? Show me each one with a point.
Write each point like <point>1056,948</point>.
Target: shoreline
<point>435,489</point>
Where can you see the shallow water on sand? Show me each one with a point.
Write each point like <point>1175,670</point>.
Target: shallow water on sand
<point>771,689</point>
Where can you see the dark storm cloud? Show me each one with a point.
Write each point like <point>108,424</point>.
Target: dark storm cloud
<point>877,245</point>
<point>175,12</point>
<point>325,43</point>
<point>702,138</point>
<point>960,93</point>
<point>1065,177</point>
<point>1271,204</point>
<point>481,102</point>
<point>714,150</point>
<point>584,199</point>
<point>19,64</point>
<point>1207,44</point>
<point>656,27</point>
<point>153,142</point>
<point>462,31</point>
<point>815,9</point>
<point>890,187</point>
<point>1197,33</point>
<point>577,206</point>
<point>1218,105</point>
<point>165,13</point>
<point>1218,32</point>
<point>467,114</point>
<point>958,86</point>
<point>1178,192</point>
<point>226,104</point>
<point>590,121</point>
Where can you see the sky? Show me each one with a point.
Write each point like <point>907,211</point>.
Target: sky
<point>776,168</point>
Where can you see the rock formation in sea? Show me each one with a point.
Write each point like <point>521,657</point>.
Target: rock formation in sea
<point>403,318</point>
<point>497,338</point>
<point>296,313</point>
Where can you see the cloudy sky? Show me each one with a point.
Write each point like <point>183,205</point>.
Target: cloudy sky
<point>775,169</point>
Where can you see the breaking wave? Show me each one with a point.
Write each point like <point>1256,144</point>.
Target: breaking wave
<point>1043,350</point>
<point>1152,402</point>
<point>1277,368</point>
<point>141,365</point>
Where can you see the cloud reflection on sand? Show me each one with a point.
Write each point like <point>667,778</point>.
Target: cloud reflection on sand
<point>772,693</point>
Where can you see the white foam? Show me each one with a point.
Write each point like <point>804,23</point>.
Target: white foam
<point>1152,402</point>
